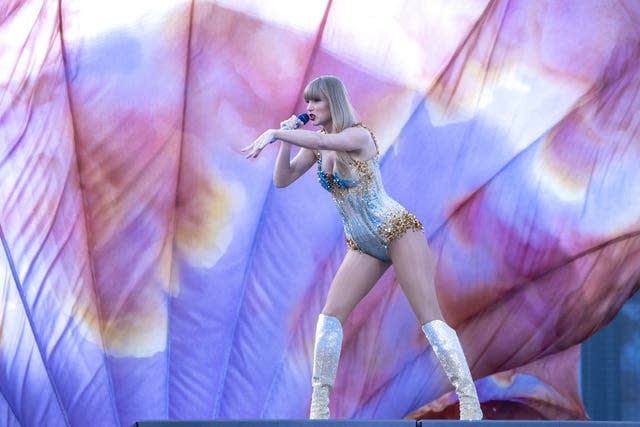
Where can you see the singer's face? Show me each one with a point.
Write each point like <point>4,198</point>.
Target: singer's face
<point>319,113</point>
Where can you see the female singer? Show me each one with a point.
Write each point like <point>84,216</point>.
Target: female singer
<point>379,233</point>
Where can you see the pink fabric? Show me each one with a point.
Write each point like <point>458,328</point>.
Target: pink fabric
<point>149,271</point>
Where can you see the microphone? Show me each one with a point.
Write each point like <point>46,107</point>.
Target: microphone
<point>302,120</point>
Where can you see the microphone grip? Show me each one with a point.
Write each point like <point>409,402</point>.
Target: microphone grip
<point>302,120</point>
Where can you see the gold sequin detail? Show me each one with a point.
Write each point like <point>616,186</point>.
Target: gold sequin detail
<point>363,170</point>
<point>372,219</point>
<point>352,245</point>
<point>398,224</point>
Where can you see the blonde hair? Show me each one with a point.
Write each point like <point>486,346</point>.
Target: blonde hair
<point>342,113</point>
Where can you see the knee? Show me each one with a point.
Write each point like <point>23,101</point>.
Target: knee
<point>336,313</point>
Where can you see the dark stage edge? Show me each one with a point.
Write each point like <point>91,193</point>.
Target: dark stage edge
<point>384,423</point>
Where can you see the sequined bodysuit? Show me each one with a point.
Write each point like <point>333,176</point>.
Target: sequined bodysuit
<point>372,219</point>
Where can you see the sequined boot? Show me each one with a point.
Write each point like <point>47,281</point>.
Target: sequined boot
<point>446,346</point>
<point>326,355</point>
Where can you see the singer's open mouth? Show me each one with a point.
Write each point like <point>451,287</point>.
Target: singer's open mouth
<point>312,116</point>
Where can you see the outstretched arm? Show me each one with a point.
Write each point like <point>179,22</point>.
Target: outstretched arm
<point>351,139</point>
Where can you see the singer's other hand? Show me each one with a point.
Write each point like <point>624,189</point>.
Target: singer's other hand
<point>254,149</point>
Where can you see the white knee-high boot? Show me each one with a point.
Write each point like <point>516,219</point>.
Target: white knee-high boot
<point>447,348</point>
<point>326,355</point>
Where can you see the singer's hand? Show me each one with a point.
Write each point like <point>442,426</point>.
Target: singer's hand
<point>290,123</point>
<point>256,147</point>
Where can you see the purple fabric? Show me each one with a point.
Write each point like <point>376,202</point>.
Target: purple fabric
<point>149,271</point>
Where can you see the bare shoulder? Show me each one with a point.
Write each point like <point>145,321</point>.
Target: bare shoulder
<point>365,142</point>
<point>358,133</point>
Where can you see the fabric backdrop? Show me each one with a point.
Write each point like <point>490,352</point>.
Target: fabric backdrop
<point>149,271</point>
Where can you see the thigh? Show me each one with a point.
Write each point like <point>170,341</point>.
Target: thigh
<point>415,269</point>
<point>357,274</point>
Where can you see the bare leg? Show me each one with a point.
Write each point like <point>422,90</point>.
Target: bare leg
<point>414,270</point>
<point>357,274</point>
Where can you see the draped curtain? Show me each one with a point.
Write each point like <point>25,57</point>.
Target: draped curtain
<point>149,271</point>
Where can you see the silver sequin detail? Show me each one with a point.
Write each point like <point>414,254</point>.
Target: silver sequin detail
<point>447,348</point>
<point>372,219</point>
<point>326,356</point>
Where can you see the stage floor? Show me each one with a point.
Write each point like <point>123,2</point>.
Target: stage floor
<point>383,423</point>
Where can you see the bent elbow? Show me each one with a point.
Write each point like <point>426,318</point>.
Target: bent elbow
<point>279,182</point>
